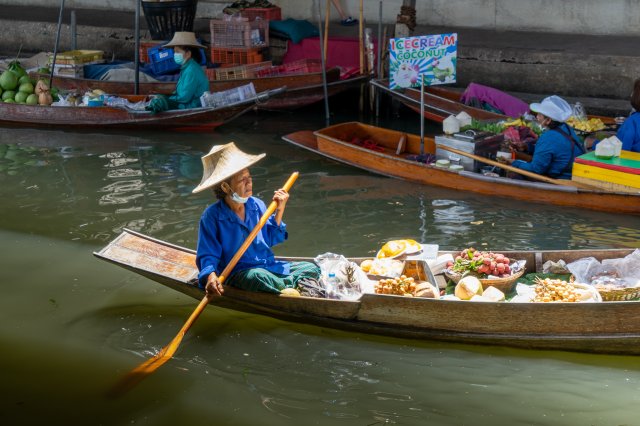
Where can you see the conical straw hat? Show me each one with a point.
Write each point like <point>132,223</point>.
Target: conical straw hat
<point>222,162</point>
<point>183,38</point>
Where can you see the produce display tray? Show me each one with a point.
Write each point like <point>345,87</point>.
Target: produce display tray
<point>78,57</point>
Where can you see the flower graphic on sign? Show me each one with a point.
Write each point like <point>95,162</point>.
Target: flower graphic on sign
<point>406,75</point>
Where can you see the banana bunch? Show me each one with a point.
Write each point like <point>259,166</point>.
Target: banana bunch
<point>519,122</point>
<point>590,125</point>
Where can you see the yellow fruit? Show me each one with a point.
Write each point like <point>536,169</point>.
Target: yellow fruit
<point>366,265</point>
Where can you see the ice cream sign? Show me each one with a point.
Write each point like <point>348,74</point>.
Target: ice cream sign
<point>431,56</point>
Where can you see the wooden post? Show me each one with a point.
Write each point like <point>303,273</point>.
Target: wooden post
<point>326,27</point>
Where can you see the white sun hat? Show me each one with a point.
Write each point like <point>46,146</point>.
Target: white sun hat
<point>553,107</point>
<point>184,38</point>
<point>222,162</point>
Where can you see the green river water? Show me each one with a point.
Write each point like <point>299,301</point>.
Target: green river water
<point>71,325</point>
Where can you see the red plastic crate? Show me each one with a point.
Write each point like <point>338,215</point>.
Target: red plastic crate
<point>303,66</point>
<point>224,55</point>
<point>265,13</point>
<point>239,33</point>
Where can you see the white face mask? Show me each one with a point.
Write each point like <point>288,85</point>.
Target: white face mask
<point>238,199</point>
<point>234,197</point>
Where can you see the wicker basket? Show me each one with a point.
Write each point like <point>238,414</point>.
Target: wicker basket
<point>505,285</point>
<point>619,294</point>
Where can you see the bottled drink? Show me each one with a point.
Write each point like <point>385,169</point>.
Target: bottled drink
<point>332,286</point>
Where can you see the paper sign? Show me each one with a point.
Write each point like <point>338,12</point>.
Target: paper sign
<point>431,56</point>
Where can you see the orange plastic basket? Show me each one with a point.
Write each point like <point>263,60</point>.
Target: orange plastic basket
<point>222,55</point>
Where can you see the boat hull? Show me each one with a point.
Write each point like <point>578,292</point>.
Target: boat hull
<point>20,115</point>
<point>608,327</point>
<point>328,142</point>
<point>302,89</point>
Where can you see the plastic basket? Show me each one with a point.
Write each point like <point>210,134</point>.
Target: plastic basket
<point>144,47</point>
<point>265,13</point>
<point>78,57</point>
<point>239,33</point>
<point>164,18</point>
<point>239,72</point>
<point>228,97</point>
<point>161,59</point>
<point>221,55</point>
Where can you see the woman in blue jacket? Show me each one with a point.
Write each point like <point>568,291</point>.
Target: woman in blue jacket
<point>629,132</point>
<point>225,225</point>
<point>558,146</point>
<point>193,82</point>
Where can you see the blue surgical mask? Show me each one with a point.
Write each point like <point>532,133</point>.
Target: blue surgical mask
<point>178,58</point>
<point>238,199</point>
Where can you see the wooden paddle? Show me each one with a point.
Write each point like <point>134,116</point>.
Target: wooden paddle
<point>152,364</point>
<point>563,182</point>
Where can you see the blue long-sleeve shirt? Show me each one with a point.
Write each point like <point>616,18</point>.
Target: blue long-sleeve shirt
<point>629,133</point>
<point>193,82</point>
<point>553,154</point>
<point>222,233</point>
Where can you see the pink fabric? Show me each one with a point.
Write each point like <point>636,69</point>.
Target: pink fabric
<point>506,103</point>
<point>343,52</point>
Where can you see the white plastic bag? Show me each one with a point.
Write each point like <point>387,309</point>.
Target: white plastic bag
<point>342,279</point>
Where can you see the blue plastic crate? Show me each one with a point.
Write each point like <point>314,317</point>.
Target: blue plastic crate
<point>162,59</point>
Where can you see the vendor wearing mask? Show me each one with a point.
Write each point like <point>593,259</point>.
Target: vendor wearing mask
<point>225,224</point>
<point>558,146</point>
<point>629,132</point>
<point>192,83</point>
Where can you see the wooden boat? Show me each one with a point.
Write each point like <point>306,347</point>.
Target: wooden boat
<point>608,327</point>
<point>114,117</point>
<point>302,89</point>
<point>440,102</point>
<point>333,142</point>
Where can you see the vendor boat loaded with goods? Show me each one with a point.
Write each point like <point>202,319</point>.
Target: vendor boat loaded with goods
<point>29,103</point>
<point>466,161</point>
<point>577,300</point>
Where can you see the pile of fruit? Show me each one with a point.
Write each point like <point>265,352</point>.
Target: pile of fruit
<point>590,125</point>
<point>406,286</point>
<point>481,263</point>
<point>554,290</point>
<point>401,286</point>
<point>17,87</point>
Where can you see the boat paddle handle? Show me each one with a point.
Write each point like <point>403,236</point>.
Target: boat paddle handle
<point>563,182</point>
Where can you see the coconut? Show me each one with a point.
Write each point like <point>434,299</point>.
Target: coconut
<point>493,294</point>
<point>45,98</point>
<point>467,287</point>
<point>428,290</point>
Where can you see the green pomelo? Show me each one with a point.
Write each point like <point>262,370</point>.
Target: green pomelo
<point>9,94</point>
<point>9,101</point>
<point>26,87</point>
<point>32,99</point>
<point>24,79</point>
<point>21,97</point>
<point>8,80</point>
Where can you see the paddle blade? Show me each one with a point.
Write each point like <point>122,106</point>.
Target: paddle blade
<point>136,375</point>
